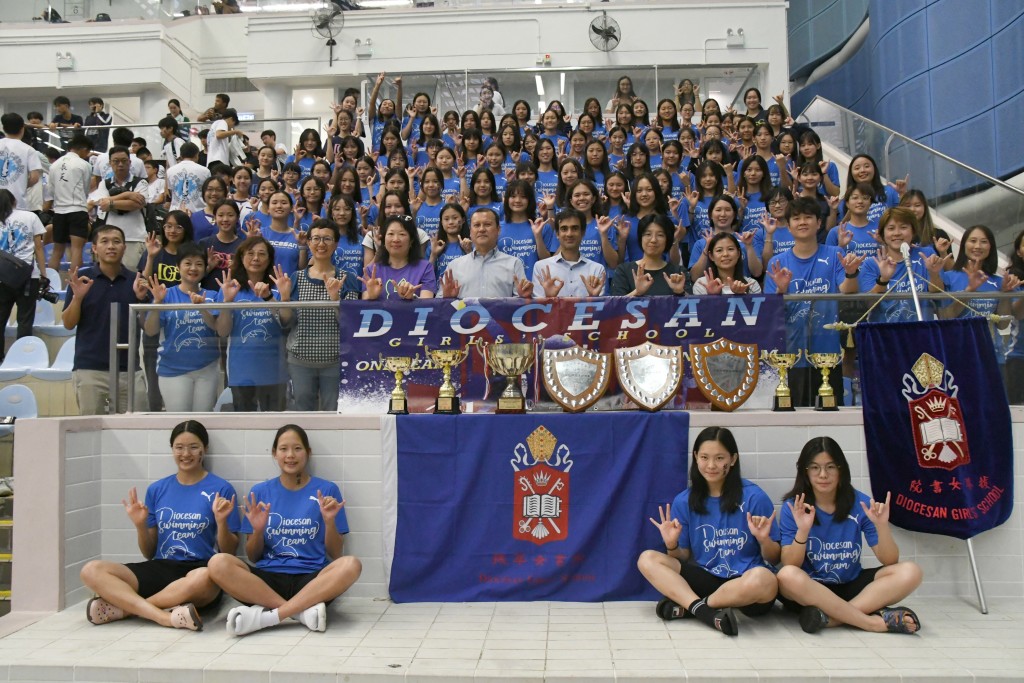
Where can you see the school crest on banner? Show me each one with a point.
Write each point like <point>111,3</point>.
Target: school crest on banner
<point>541,489</point>
<point>940,436</point>
<point>937,425</point>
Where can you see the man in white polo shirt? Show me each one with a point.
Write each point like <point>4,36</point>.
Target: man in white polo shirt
<point>120,201</point>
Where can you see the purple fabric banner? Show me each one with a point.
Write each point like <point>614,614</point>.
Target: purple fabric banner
<point>370,329</point>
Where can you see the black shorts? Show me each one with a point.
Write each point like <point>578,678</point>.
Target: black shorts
<point>68,225</point>
<point>155,575</point>
<point>704,583</point>
<point>285,585</point>
<point>847,591</point>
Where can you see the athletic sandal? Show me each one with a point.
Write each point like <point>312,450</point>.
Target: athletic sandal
<point>896,619</point>
<point>99,611</point>
<point>186,616</point>
<point>812,619</point>
<point>669,609</point>
<point>725,621</point>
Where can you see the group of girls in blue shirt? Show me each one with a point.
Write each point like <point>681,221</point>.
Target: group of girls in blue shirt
<point>188,528</point>
<point>724,539</point>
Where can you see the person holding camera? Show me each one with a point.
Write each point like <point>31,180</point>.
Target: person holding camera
<point>121,201</point>
<point>21,264</point>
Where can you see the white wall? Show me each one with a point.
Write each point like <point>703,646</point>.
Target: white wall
<point>73,472</point>
<point>131,56</point>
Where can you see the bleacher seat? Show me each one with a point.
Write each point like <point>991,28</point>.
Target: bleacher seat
<point>61,369</point>
<point>46,321</point>
<point>17,401</point>
<point>24,355</point>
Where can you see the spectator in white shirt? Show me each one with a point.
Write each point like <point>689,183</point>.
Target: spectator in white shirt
<point>121,202</point>
<point>70,177</point>
<point>101,169</point>
<point>20,167</point>
<point>172,144</point>
<point>218,146</point>
<point>185,180</point>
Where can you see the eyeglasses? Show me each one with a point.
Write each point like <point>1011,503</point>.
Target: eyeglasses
<point>321,240</point>
<point>194,449</point>
<point>829,469</point>
<point>778,200</point>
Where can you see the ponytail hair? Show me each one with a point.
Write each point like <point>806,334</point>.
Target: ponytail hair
<point>7,205</point>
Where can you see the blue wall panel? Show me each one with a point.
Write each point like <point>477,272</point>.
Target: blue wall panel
<point>818,29</point>
<point>946,72</point>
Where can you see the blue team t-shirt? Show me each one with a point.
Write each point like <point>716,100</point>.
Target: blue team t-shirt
<point>822,273</point>
<point>286,249</point>
<point>186,529</point>
<point>188,342</point>
<point>833,550</point>
<point>721,542</point>
<point>516,239</point>
<point>256,346</point>
<point>892,310</point>
<point>293,542</point>
<point>862,243</point>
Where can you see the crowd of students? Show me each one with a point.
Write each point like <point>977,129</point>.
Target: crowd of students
<point>726,548</point>
<point>622,199</point>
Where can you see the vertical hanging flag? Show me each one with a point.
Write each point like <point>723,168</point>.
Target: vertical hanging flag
<point>937,425</point>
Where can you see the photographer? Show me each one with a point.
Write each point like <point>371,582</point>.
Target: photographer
<point>120,201</point>
<point>21,264</point>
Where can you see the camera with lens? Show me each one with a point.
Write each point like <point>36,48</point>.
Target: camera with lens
<point>46,292</point>
<point>114,191</point>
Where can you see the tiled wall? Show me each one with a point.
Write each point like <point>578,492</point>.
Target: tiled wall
<point>102,458</point>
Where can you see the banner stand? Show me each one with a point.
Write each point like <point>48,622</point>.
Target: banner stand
<point>983,606</point>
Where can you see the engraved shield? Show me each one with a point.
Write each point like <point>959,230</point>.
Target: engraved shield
<point>649,374</point>
<point>726,372</point>
<point>576,377</point>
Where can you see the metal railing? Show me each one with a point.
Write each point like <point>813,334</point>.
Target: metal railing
<point>823,304</point>
<point>960,193</point>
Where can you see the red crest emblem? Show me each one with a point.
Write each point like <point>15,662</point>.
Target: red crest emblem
<point>541,489</point>
<point>940,438</point>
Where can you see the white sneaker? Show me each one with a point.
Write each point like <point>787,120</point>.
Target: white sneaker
<point>314,618</point>
<point>243,620</point>
<point>6,486</point>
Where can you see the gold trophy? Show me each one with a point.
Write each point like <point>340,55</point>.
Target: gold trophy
<point>447,402</point>
<point>511,361</point>
<point>400,365</point>
<point>782,362</point>
<point>826,398</point>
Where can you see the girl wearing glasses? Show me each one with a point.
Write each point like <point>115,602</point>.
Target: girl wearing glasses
<point>821,524</point>
<point>183,521</point>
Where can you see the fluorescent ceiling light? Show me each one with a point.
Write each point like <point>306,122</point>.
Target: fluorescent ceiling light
<point>377,4</point>
<point>540,85</point>
<point>561,79</point>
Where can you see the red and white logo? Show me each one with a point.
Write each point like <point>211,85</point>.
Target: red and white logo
<point>937,423</point>
<point>541,489</point>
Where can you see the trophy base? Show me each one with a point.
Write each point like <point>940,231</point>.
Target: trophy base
<point>398,406</point>
<point>511,405</point>
<point>783,404</point>
<point>447,405</point>
<point>825,403</point>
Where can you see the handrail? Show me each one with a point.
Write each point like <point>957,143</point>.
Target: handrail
<point>932,150</point>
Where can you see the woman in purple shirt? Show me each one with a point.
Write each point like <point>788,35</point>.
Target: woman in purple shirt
<point>399,270</point>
